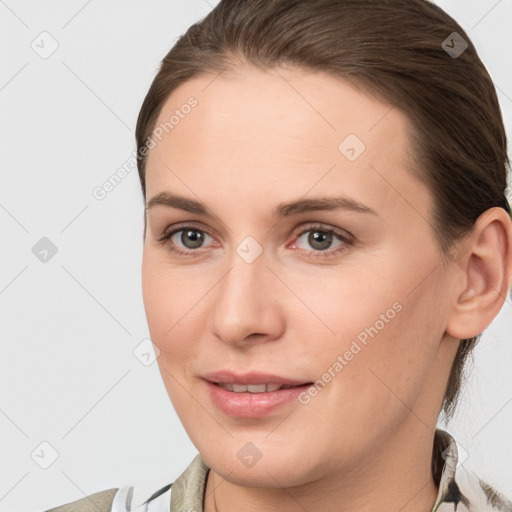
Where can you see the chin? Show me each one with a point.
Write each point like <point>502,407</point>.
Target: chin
<point>271,471</point>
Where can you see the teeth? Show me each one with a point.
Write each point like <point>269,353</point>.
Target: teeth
<point>251,388</point>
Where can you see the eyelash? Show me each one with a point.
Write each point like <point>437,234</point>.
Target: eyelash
<point>347,240</point>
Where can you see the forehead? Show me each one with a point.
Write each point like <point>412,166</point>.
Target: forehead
<point>285,131</point>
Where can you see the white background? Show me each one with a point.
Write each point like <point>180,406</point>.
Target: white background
<point>68,373</point>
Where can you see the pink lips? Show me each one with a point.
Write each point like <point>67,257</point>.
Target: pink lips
<point>247,404</point>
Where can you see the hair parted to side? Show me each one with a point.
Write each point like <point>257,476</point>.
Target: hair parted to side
<point>390,49</point>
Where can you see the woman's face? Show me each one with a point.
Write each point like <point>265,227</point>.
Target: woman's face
<point>302,250</point>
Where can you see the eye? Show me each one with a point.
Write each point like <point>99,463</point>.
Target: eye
<point>190,237</point>
<point>321,239</point>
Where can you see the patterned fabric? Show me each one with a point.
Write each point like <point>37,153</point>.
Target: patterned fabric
<point>98,502</point>
<point>458,489</point>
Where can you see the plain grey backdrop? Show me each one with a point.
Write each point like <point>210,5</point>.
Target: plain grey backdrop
<point>83,407</point>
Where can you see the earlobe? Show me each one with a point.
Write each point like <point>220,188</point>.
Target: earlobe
<point>487,268</point>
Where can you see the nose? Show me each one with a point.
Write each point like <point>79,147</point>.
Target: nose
<point>247,307</point>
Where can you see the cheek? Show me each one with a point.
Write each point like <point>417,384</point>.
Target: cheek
<point>155,296</point>
<point>161,292</point>
<point>172,302</point>
<point>398,346</point>
<point>169,328</point>
<point>378,332</point>
<point>350,307</point>
<point>166,290</point>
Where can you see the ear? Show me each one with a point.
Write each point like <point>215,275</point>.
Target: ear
<point>486,273</point>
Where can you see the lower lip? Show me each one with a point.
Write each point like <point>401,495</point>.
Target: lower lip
<point>252,405</point>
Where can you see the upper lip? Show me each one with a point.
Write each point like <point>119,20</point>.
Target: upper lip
<point>251,378</point>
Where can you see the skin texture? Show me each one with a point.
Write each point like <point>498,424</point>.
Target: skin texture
<point>364,442</point>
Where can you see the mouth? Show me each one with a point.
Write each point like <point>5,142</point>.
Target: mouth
<point>253,401</point>
<point>256,388</point>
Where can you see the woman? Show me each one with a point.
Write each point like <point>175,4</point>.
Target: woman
<point>326,237</point>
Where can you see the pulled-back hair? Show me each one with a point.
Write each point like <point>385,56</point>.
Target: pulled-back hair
<point>396,50</point>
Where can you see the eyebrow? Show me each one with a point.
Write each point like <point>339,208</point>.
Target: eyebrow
<point>281,210</point>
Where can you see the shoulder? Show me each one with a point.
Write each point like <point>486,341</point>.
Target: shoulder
<point>98,502</point>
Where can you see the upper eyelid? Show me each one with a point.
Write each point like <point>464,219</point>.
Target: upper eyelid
<point>324,227</point>
<point>177,228</point>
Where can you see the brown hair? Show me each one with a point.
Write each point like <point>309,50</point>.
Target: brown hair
<point>393,49</point>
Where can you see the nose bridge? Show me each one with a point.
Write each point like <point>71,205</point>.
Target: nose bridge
<point>243,284</point>
<point>248,268</point>
<point>243,304</point>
